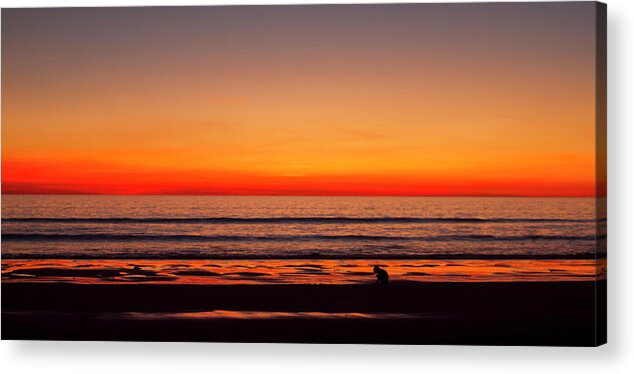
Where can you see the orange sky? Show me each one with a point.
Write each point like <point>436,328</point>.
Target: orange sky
<point>477,99</point>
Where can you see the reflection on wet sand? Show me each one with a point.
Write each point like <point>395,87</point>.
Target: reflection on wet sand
<point>297,271</point>
<point>251,314</point>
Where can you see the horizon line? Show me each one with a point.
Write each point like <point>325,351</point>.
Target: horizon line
<point>294,195</point>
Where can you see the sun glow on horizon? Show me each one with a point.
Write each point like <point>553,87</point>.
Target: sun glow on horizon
<point>342,100</point>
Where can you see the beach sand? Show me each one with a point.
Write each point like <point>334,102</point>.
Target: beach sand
<point>499,313</point>
<point>298,271</point>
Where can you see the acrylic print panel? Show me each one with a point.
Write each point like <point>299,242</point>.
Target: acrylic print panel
<point>398,174</point>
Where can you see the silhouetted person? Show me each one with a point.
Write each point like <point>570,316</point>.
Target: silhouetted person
<point>381,275</point>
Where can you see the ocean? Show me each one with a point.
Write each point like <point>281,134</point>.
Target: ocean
<point>274,227</point>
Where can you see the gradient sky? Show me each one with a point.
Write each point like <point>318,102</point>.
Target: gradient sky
<point>425,99</point>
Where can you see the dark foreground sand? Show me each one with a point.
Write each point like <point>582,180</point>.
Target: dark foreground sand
<point>512,313</point>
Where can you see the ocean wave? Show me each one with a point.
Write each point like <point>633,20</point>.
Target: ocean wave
<point>310,256</point>
<point>287,220</point>
<point>286,238</point>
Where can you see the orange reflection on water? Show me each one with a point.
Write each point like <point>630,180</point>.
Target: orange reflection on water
<point>298,271</point>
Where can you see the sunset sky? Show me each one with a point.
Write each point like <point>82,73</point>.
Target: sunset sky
<point>451,99</point>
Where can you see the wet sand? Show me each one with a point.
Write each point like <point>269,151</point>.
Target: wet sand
<point>501,313</point>
<point>302,271</point>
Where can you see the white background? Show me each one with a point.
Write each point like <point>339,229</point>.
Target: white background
<point>615,357</point>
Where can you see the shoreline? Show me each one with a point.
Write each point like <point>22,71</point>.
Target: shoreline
<point>314,256</point>
<point>283,271</point>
